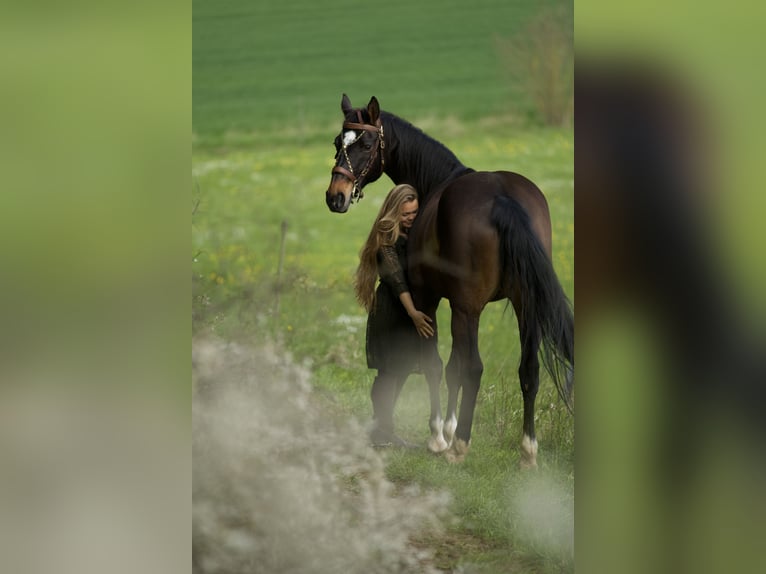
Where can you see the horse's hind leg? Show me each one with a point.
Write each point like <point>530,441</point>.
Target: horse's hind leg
<point>529,379</point>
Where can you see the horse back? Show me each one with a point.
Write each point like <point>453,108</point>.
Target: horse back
<point>454,247</point>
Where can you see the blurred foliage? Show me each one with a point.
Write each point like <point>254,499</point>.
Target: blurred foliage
<point>540,60</point>
<point>670,443</point>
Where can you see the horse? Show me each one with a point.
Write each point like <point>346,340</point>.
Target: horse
<point>480,237</point>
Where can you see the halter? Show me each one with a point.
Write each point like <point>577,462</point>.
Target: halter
<point>356,192</point>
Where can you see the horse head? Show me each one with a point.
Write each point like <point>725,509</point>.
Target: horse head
<point>358,154</point>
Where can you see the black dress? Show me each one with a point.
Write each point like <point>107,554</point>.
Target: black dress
<point>393,343</point>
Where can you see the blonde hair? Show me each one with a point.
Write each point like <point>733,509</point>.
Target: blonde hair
<point>385,231</point>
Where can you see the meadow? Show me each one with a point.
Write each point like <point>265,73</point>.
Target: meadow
<point>271,265</point>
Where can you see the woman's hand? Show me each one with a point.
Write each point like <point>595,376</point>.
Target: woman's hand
<point>421,320</point>
<point>422,324</point>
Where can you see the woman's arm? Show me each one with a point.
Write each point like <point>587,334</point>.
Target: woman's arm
<point>392,273</point>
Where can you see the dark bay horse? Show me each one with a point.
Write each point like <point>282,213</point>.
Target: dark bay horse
<point>479,237</point>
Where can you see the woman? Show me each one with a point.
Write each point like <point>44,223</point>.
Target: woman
<point>393,347</point>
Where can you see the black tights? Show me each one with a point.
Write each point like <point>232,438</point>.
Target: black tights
<point>385,391</point>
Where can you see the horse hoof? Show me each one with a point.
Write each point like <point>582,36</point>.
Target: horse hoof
<point>437,445</point>
<point>456,454</point>
<point>528,453</point>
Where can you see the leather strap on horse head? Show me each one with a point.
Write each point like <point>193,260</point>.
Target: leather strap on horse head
<point>381,145</point>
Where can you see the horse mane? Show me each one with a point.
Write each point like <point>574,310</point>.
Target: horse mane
<point>417,158</point>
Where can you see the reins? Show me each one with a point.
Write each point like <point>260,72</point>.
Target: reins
<point>381,145</point>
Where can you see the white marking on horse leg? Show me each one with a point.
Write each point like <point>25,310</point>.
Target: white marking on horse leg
<point>349,137</point>
<point>528,452</point>
<point>457,451</point>
<point>449,428</point>
<point>437,443</point>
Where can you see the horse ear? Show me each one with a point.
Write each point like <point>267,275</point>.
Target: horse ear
<point>373,108</point>
<point>345,105</point>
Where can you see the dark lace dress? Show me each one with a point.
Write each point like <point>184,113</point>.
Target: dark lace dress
<point>393,343</point>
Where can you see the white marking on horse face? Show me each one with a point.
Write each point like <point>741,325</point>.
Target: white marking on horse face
<point>349,137</point>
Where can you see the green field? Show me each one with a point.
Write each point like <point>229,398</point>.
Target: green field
<point>267,87</point>
<point>261,67</point>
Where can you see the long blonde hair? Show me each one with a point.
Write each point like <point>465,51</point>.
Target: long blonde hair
<point>385,231</point>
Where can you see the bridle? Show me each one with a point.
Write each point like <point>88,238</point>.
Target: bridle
<point>356,192</point>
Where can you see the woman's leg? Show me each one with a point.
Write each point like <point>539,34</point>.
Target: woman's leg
<point>383,395</point>
<point>385,390</point>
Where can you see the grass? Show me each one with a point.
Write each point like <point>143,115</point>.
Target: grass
<point>261,68</point>
<point>241,199</point>
<point>267,86</point>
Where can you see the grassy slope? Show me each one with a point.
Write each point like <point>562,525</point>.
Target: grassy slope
<point>267,84</point>
<point>264,65</point>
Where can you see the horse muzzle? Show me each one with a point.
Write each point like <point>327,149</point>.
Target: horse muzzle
<point>339,194</point>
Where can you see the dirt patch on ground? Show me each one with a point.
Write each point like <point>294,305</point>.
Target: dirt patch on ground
<point>452,551</point>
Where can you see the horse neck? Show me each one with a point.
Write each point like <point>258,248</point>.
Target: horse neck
<point>416,158</point>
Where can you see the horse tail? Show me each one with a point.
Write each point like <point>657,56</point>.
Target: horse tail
<point>526,265</point>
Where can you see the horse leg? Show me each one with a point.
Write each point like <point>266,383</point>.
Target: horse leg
<point>433,368</point>
<point>529,379</point>
<point>453,386</point>
<point>464,370</point>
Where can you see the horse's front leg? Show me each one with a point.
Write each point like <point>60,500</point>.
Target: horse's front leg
<point>433,368</point>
